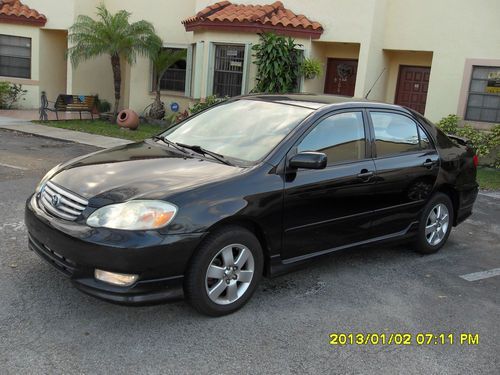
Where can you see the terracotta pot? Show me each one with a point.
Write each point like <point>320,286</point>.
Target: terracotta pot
<point>128,119</point>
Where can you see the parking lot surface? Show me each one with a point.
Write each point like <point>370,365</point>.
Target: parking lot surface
<point>48,327</point>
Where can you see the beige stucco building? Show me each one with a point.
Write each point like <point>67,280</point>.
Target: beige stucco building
<point>437,56</point>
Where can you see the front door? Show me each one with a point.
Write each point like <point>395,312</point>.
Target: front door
<point>413,84</point>
<point>341,77</point>
<point>330,208</point>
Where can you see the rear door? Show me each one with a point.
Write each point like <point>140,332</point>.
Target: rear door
<point>330,208</point>
<point>407,165</point>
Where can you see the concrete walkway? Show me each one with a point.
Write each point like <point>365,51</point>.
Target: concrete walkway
<point>24,126</point>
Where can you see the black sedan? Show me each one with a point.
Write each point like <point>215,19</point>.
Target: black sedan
<point>254,186</point>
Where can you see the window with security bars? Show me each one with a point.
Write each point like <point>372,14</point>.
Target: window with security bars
<point>15,56</point>
<point>228,70</point>
<point>174,79</point>
<point>483,103</point>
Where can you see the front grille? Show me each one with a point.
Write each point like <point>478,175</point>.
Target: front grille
<point>60,202</point>
<point>65,265</point>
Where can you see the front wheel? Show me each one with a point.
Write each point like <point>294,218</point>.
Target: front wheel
<point>224,271</point>
<point>435,224</point>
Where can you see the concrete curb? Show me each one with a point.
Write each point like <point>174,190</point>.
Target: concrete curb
<point>64,134</point>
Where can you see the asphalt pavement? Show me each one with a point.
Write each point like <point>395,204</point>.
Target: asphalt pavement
<point>48,327</point>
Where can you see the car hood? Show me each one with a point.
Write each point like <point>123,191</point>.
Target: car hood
<point>139,170</point>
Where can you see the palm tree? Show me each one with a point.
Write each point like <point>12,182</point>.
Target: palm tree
<point>113,35</point>
<point>162,59</point>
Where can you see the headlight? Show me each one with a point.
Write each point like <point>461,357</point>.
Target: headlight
<point>47,177</point>
<point>133,215</point>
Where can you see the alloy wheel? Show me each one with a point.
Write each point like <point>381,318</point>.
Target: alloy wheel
<point>436,225</point>
<point>229,274</point>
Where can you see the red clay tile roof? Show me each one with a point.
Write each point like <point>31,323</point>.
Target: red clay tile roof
<point>14,11</point>
<point>253,18</point>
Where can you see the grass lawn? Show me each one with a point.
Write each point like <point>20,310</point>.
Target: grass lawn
<point>488,178</point>
<point>105,128</point>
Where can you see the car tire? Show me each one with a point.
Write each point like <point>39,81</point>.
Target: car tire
<point>224,271</point>
<point>435,224</point>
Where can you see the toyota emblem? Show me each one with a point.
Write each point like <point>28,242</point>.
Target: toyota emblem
<point>56,200</point>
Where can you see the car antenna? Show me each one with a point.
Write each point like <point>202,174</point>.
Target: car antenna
<point>371,88</point>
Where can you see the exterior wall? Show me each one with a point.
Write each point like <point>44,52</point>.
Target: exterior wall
<point>454,31</point>
<point>379,33</point>
<point>32,85</point>
<point>53,64</point>
<point>167,21</point>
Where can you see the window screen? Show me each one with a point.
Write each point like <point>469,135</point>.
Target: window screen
<point>228,70</point>
<point>483,103</point>
<point>394,133</point>
<point>341,137</point>
<point>174,79</point>
<point>15,56</point>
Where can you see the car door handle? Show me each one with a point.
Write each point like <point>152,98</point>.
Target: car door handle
<point>365,174</point>
<point>429,163</point>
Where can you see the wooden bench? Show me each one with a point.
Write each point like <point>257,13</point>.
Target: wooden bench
<point>68,103</point>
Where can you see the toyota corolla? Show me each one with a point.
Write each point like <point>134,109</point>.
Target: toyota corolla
<point>252,187</point>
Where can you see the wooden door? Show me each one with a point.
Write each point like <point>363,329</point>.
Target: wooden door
<point>413,84</point>
<point>341,76</point>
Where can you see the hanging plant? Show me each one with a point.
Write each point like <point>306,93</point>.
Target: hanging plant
<point>311,68</point>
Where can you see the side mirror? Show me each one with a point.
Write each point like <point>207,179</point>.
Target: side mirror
<point>308,160</point>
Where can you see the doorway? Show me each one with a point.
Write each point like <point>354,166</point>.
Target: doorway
<point>341,76</point>
<point>412,87</point>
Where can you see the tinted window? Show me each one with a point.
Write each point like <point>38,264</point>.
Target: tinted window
<point>341,137</point>
<point>394,133</point>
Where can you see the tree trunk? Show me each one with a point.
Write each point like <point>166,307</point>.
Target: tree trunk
<point>157,110</point>
<point>117,77</point>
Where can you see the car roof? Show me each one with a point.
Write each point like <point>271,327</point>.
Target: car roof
<point>317,101</point>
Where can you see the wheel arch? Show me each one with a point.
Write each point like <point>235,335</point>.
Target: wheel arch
<point>252,226</point>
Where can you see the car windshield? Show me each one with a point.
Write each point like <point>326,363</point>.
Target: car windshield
<point>245,129</point>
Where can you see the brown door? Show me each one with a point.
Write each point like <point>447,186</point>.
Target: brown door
<point>413,84</point>
<point>341,77</point>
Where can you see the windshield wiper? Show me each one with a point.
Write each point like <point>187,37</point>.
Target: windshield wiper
<point>204,151</point>
<point>169,142</point>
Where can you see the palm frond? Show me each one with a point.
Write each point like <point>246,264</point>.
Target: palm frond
<point>111,34</point>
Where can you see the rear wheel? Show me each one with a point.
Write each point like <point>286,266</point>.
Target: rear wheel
<point>435,224</point>
<point>224,272</point>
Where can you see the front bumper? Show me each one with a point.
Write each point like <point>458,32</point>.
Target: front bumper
<point>77,250</point>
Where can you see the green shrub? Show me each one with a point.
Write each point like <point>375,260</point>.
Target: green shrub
<point>10,94</point>
<point>208,102</point>
<point>483,142</point>
<point>278,64</point>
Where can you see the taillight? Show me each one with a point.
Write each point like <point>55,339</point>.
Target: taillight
<point>475,160</point>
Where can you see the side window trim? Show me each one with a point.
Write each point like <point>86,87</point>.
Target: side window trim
<point>364,115</point>
<point>373,137</point>
<point>431,140</point>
